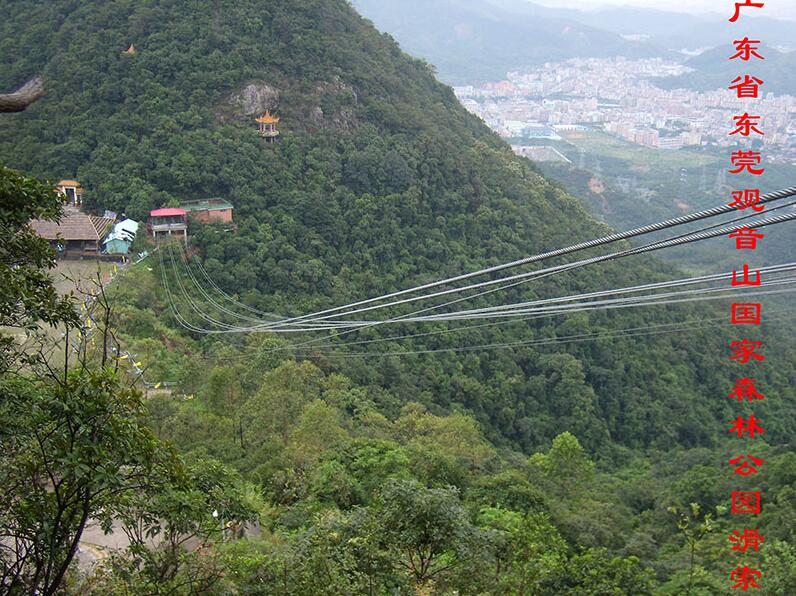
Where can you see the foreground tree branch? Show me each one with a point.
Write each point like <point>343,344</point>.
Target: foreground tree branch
<point>20,99</point>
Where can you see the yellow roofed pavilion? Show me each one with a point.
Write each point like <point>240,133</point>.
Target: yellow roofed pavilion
<point>267,118</point>
<point>267,124</point>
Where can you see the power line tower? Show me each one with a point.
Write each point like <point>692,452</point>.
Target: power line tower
<point>598,168</point>
<point>721,180</point>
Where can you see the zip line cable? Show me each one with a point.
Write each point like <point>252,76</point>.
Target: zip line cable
<point>656,298</point>
<point>529,275</point>
<point>313,322</point>
<point>536,274</point>
<point>202,314</point>
<point>632,289</point>
<point>725,208</point>
<point>521,319</point>
<point>685,238</point>
<point>221,292</point>
<point>265,325</point>
<point>538,302</point>
<point>523,308</point>
<point>467,327</point>
<point>616,334</point>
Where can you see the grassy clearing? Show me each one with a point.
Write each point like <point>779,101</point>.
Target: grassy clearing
<point>70,276</point>
<point>640,159</point>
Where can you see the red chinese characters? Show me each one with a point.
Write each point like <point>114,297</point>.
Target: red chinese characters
<point>746,125</point>
<point>746,88</point>
<point>746,502</point>
<point>746,49</point>
<point>749,197</point>
<point>749,427</point>
<point>745,578</point>
<point>743,542</point>
<point>746,313</point>
<point>746,238</point>
<point>745,466</point>
<point>746,280</point>
<point>746,389</point>
<point>746,352</point>
<point>744,4</point>
<point>747,160</point>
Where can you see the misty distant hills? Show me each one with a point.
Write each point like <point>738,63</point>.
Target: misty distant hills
<point>476,40</point>
<point>713,70</point>
<point>672,30</point>
<point>471,40</point>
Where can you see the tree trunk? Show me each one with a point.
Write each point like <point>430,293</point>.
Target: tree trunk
<point>22,97</point>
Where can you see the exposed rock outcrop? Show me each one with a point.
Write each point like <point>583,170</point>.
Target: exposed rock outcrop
<point>251,100</point>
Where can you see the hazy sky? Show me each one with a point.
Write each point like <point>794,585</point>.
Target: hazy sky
<point>773,8</point>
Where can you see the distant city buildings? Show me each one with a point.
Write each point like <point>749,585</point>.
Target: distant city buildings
<point>617,96</point>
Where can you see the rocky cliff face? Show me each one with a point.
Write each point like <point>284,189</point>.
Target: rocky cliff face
<point>252,99</point>
<point>332,104</point>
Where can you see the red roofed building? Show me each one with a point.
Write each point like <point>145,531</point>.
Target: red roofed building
<point>167,222</point>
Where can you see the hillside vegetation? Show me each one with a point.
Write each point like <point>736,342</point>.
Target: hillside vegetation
<point>481,40</point>
<point>532,469</point>
<point>714,70</point>
<point>380,180</point>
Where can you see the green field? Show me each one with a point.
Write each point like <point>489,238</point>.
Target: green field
<point>641,159</point>
<point>72,276</point>
<point>69,276</point>
<point>76,277</point>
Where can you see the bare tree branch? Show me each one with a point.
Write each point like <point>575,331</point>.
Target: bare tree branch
<point>22,97</point>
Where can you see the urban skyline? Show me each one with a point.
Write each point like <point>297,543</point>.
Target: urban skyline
<point>618,96</point>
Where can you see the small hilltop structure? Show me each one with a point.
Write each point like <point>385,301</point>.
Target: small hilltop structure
<point>76,235</point>
<point>120,239</point>
<point>268,122</point>
<point>71,191</point>
<point>212,210</point>
<point>169,221</point>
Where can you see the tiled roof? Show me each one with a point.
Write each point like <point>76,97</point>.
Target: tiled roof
<point>74,225</point>
<point>166,212</point>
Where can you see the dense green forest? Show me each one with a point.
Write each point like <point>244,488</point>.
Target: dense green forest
<point>625,199</point>
<point>527,470</point>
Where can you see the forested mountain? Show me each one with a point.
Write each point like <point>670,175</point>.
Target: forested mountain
<point>470,41</point>
<point>476,40</point>
<point>381,180</point>
<point>714,70</point>
<point>673,30</point>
